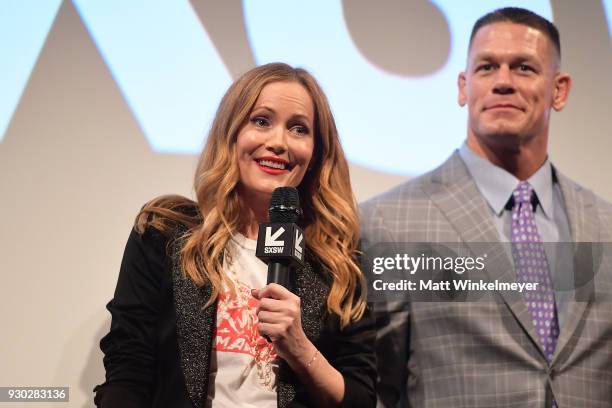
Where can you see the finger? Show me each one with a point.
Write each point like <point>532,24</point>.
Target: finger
<point>272,305</point>
<point>256,293</point>
<point>269,330</point>
<point>272,317</point>
<point>276,291</point>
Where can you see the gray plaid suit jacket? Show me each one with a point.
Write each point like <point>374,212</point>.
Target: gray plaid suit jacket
<point>486,354</point>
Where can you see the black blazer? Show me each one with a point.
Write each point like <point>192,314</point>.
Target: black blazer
<point>157,353</point>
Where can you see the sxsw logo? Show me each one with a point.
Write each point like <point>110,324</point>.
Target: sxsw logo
<point>280,241</point>
<point>297,244</point>
<point>272,244</point>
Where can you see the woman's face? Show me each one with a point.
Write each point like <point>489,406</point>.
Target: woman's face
<point>276,144</point>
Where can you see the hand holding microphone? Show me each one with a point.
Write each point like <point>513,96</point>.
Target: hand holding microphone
<point>280,243</point>
<point>280,320</point>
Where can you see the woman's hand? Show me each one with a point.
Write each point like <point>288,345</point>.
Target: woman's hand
<point>280,318</point>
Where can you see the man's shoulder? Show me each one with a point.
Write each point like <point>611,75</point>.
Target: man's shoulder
<point>418,190</point>
<point>584,192</point>
<point>415,190</point>
<point>604,210</point>
<point>602,206</point>
<point>401,194</point>
<point>394,206</point>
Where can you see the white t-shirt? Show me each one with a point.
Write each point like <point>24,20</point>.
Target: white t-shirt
<point>243,364</point>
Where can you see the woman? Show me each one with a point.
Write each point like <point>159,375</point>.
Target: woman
<point>192,307</point>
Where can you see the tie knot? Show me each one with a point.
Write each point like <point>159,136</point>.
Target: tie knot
<point>523,193</point>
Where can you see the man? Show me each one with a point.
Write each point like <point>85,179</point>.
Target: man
<point>555,350</point>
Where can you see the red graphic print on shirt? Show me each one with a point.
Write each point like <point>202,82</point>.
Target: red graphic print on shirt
<point>237,325</point>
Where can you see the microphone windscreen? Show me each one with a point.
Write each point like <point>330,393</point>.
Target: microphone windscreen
<point>285,205</point>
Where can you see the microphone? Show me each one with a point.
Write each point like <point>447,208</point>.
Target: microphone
<point>280,243</point>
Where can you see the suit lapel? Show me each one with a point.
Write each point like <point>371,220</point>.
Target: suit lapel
<point>582,217</point>
<point>454,192</point>
<point>195,326</point>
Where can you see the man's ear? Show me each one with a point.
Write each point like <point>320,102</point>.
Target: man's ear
<point>563,85</point>
<point>462,97</point>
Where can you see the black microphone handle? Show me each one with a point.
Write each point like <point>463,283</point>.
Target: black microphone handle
<point>278,273</point>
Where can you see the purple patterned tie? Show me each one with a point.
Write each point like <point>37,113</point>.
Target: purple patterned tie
<point>532,266</point>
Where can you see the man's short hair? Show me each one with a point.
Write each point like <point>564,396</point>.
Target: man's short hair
<point>521,16</point>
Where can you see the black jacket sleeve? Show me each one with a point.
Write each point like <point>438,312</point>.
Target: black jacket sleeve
<point>130,347</point>
<point>354,358</point>
<point>392,318</point>
<point>359,367</point>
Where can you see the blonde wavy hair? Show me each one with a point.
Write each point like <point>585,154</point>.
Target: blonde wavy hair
<point>330,220</point>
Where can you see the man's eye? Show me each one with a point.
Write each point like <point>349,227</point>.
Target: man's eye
<point>525,68</point>
<point>485,67</point>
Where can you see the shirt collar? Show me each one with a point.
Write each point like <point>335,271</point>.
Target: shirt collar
<point>497,185</point>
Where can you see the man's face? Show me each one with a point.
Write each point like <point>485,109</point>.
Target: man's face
<point>510,84</point>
